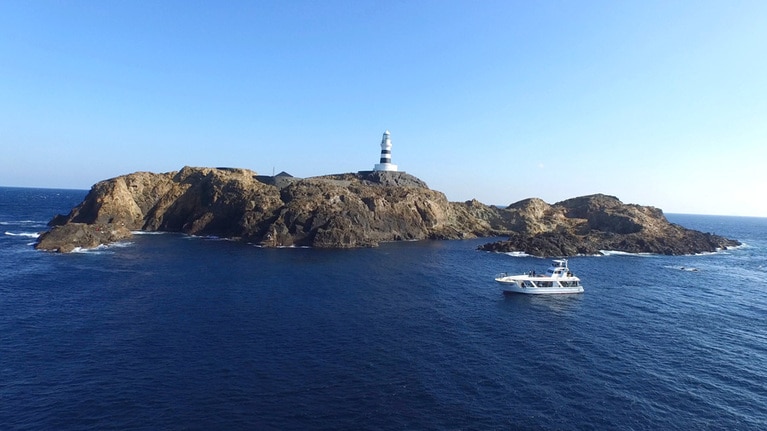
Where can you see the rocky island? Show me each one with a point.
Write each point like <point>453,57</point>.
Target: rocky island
<point>357,210</point>
<point>588,225</point>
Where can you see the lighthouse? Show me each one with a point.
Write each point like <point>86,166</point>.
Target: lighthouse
<point>386,164</point>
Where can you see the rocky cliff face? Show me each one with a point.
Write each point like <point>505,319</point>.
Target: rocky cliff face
<point>71,236</point>
<point>357,210</point>
<point>349,210</point>
<point>589,224</point>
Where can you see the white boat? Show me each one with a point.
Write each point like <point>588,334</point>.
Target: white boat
<point>557,279</point>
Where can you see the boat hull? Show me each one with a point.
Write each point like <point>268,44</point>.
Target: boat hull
<point>523,285</point>
<point>514,288</point>
<point>557,280</point>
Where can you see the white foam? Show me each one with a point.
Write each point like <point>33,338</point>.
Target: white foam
<point>279,246</point>
<point>86,250</point>
<point>211,238</point>
<point>625,253</point>
<point>102,248</point>
<point>682,268</point>
<point>727,250</point>
<point>708,253</point>
<point>517,254</point>
<point>8,223</point>
<point>24,234</point>
<point>120,244</point>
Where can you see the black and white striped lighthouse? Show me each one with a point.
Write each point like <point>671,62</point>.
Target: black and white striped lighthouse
<point>386,164</point>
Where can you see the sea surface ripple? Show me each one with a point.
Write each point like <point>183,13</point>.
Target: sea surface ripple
<point>173,332</point>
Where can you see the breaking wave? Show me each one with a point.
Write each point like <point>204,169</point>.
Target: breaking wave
<point>517,254</point>
<point>624,253</point>
<point>102,248</point>
<point>24,234</point>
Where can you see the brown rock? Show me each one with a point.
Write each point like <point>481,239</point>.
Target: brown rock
<point>359,210</point>
<point>589,224</point>
<point>347,210</point>
<point>70,236</point>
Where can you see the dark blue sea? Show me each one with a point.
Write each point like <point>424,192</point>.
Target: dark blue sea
<point>186,333</point>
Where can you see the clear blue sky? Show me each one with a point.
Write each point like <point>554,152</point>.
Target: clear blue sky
<point>659,103</point>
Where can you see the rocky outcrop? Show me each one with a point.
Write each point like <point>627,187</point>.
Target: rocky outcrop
<point>590,224</point>
<point>347,210</point>
<point>357,210</point>
<point>72,236</point>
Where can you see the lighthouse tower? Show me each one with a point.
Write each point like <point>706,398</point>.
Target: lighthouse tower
<point>386,164</point>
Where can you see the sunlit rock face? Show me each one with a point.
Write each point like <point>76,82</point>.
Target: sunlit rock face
<point>346,210</point>
<point>357,210</point>
<point>589,224</point>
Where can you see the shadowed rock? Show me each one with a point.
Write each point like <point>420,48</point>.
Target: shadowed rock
<point>68,237</point>
<point>339,211</point>
<point>358,210</point>
<point>589,224</point>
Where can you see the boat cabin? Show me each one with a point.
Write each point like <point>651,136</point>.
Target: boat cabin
<point>559,269</point>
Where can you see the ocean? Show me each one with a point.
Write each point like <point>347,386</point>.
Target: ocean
<point>174,332</point>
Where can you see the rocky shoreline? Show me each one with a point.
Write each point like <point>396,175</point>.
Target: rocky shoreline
<point>357,210</point>
<point>589,225</point>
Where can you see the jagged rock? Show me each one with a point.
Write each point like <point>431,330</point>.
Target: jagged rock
<point>353,211</point>
<point>590,224</point>
<point>66,238</point>
<point>360,210</point>
<point>392,178</point>
<point>346,210</point>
